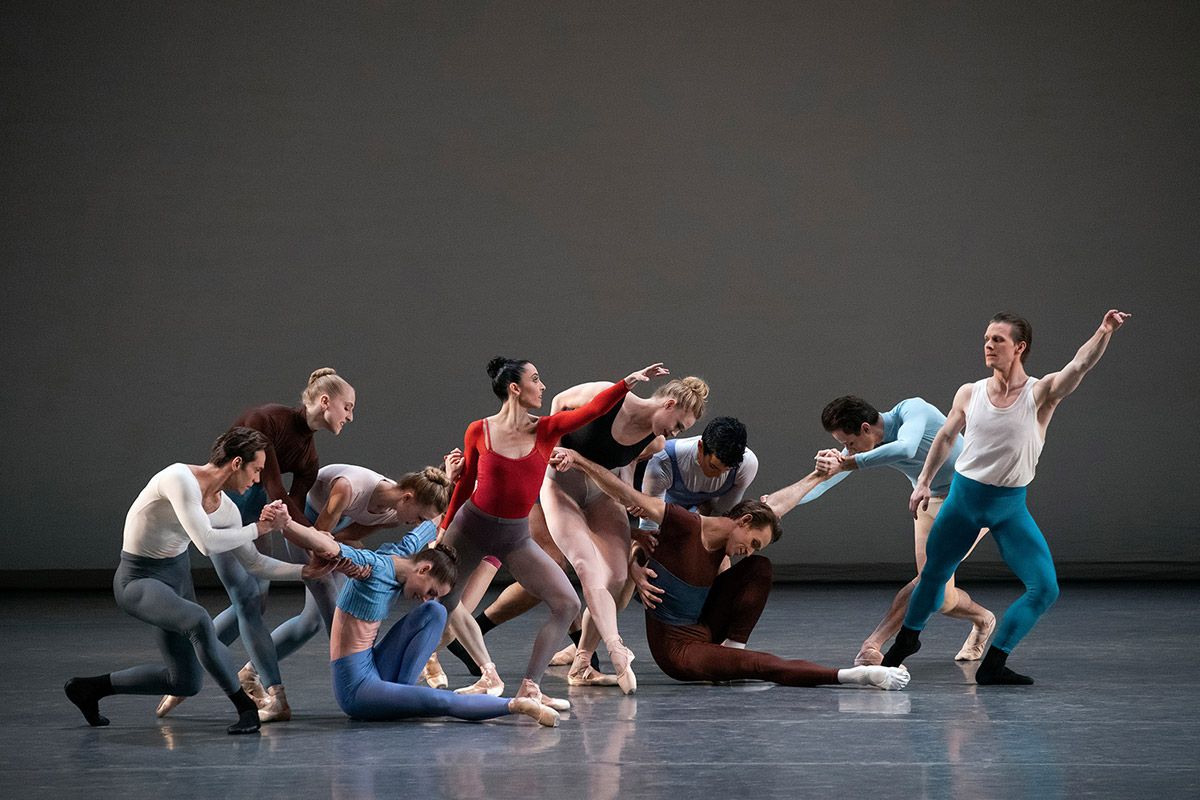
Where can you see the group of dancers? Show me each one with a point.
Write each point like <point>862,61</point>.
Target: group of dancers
<point>544,494</point>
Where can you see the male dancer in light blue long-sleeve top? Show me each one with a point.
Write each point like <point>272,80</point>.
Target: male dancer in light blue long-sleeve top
<point>899,439</point>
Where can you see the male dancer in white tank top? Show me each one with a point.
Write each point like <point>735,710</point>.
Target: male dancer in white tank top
<point>1003,419</point>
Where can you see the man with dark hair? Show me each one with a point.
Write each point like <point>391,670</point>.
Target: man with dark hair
<point>899,439</point>
<point>698,618</point>
<point>708,473</point>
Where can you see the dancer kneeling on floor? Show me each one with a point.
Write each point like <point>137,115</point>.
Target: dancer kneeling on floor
<point>376,680</point>
<point>698,621</point>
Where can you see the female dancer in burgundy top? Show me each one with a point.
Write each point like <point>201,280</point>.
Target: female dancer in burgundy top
<point>327,404</point>
<point>506,456</point>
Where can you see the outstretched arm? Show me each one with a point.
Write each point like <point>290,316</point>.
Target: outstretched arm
<point>941,448</point>
<point>1060,384</point>
<point>653,508</point>
<point>787,498</point>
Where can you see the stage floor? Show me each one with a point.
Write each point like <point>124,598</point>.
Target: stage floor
<point>1113,714</point>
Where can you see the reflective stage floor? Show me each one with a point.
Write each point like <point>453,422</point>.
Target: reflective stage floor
<point>1113,714</point>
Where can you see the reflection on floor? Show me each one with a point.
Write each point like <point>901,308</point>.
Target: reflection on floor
<point>1113,714</point>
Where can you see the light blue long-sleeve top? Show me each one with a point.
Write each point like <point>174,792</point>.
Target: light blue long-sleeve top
<point>908,433</point>
<point>372,598</point>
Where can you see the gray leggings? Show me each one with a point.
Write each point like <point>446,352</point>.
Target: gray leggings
<point>159,591</point>
<point>475,534</point>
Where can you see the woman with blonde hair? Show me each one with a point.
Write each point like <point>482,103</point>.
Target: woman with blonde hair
<point>591,528</point>
<point>327,404</point>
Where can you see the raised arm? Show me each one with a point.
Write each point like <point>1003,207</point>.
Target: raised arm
<point>183,493</point>
<point>653,508</point>
<point>939,451</point>
<point>1054,387</point>
<point>319,542</point>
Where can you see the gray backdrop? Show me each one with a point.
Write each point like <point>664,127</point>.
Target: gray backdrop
<point>202,202</point>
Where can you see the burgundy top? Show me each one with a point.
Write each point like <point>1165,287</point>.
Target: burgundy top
<point>291,450</point>
<point>681,550</point>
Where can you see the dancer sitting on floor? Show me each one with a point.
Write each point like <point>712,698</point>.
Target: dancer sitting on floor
<point>1005,418</point>
<point>698,621</point>
<point>376,680</point>
<point>153,583</point>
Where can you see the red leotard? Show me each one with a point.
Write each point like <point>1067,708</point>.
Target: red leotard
<point>508,487</point>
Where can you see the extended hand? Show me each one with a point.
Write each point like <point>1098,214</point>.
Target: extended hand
<point>919,499</point>
<point>562,458</point>
<point>652,371</point>
<point>318,566</point>
<point>1113,320</point>
<point>274,517</point>
<point>650,594</point>
<point>454,462</point>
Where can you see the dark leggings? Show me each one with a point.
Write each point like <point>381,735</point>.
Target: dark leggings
<point>159,591</point>
<point>475,534</point>
<point>734,604</point>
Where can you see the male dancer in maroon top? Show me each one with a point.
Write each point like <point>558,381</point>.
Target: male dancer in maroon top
<point>698,618</point>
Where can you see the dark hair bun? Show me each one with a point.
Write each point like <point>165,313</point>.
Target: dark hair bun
<point>495,365</point>
<point>449,550</point>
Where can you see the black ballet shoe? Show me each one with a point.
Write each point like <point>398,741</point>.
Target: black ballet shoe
<point>248,722</point>
<point>907,642</point>
<point>1003,677</point>
<point>85,693</point>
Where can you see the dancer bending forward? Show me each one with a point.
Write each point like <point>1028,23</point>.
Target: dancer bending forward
<point>698,621</point>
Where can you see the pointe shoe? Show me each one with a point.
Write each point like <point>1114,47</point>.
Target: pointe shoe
<point>625,678</point>
<point>433,674</point>
<point>545,715</point>
<point>582,674</point>
<point>488,683</point>
<point>248,677</point>
<point>276,708</point>
<point>167,704</point>
<point>976,643</point>
<point>564,657</point>
<point>868,657</point>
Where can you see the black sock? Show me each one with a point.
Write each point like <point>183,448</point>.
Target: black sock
<point>994,672</point>
<point>907,642</point>
<point>462,655</point>
<point>247,713</point>
<point>85,693</point>
<point>485,624</point>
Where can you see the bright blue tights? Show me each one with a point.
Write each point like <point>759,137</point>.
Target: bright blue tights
<point>972,505</point>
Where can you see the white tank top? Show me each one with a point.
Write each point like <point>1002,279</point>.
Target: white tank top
<point>1001,445</point>
<point>362,484</point>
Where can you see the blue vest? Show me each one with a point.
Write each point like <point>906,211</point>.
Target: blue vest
<point>678,492</point>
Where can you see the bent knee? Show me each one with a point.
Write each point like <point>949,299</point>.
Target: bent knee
<point>566,605</point>
<point>430,611</point>
<point>1044,596</point>
<point>759,567</point>
<point>185,685</point>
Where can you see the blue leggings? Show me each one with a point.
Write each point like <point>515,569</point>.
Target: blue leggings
<point>380,683</point>
<point>972,505</point>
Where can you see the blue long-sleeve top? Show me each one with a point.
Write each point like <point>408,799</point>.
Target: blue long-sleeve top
<point>908,433</point>
<point>372,598</point>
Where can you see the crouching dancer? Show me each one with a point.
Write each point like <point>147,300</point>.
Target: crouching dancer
<point>698,621</point>
<point>182,504</point>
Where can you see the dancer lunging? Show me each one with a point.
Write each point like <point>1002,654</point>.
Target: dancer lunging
<point>506,456</point>
<point>183,504</point>
<point>698,621</point>
<point>900,439</point>
<point>592,530</point>
<point>1005,419</point>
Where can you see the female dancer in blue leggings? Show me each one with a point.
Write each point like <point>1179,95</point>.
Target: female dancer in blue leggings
<point>1005,419</point>
<point>376,680</point>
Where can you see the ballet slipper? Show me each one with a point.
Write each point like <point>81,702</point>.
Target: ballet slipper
<point>868,657</point>
<point>530,707</point>
<point>248,677</point>
<point>625,677</point>
<point>886,678</point>
<point>433,674</point>
<point>582,674</point>
<point>564,657</point>
<point>488,683</point>
<point>168,704</point>
<point>276,708</point>
<point>976,643</point>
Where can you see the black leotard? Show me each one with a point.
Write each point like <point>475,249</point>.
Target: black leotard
<point>595,441</point>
